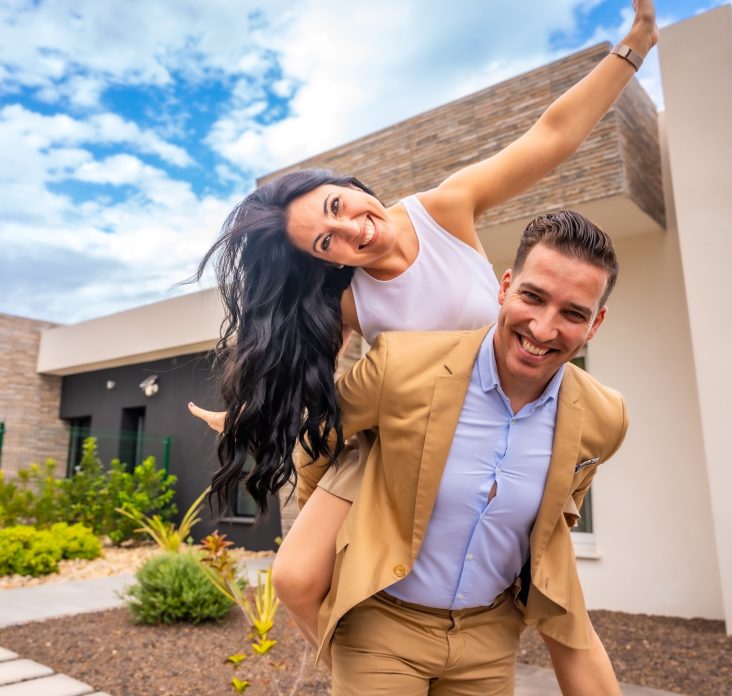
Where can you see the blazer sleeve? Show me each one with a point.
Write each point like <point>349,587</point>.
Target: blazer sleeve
<point>359,396</point>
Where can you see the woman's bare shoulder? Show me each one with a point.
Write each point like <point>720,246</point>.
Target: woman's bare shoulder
<point>452,212</point>
<point>349,316</point>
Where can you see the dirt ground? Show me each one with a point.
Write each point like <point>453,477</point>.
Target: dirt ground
<point>110,652</point>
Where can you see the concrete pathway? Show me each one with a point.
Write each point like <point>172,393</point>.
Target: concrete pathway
<point>25,604</point>
<point>23,677</point>
<point>20,677</point>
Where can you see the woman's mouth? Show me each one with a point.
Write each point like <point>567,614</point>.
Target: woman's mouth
<point>370,233</point>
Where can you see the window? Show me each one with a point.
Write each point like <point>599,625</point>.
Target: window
<point>243,503</point>
<point>79,430</point>
<point>131,436</point>
<point>583,534</point>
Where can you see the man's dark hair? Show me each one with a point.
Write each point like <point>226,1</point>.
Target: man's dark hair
<point>571,233</point>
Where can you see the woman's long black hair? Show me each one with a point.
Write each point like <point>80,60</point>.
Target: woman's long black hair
<point>279,341</point>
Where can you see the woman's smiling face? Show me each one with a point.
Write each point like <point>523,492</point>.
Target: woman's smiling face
<point>341,225</point>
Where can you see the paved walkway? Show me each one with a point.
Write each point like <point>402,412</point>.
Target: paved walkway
<point>24,677</point>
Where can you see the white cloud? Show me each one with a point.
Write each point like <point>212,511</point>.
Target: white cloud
<point>343,70</point>
<point>41,131</point>
<point>356,68</point>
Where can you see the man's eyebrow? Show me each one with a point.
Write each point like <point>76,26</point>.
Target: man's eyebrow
<point>530,286</point>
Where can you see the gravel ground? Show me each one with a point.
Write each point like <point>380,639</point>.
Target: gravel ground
<point>113,561</point>
<point>110,652</point>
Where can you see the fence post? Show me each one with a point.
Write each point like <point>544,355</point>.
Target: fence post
<point>2,432</point>
<point>166,455</point>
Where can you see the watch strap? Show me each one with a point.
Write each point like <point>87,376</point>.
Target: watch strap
<point>633,57</point>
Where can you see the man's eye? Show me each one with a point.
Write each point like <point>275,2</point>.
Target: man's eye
<point>335,205</point>
<point>530,296</point>
<point>325,244</point>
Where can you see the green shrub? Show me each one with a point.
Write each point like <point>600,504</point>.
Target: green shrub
<point>148,490</point>
<point>171,588</point>
<point>90,497</point>
<point>94,494</point>
<point>28,551</point>
<point>34,496</point>
<point>76,541</point>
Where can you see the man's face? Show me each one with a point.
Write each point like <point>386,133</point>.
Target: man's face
<point>549,310</point>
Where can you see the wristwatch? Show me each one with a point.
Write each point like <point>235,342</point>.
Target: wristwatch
<point>629,54</point>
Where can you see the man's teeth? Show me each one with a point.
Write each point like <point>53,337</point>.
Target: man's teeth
<point>531,348</point>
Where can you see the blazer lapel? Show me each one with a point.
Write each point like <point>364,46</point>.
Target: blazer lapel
<point>567,437</point>
<point>447,403</point>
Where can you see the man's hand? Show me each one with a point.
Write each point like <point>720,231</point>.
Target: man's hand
<point>214,419</point>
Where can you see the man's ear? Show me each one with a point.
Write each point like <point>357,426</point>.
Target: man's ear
<point>505,284</point>
<point>599,318</point>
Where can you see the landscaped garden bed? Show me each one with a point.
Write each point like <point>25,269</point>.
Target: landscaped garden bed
<point>110,652</point>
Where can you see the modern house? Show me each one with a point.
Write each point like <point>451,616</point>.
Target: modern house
<point>658,531</point>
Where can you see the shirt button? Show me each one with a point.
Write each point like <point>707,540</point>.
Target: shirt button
<point>461,595</point>
<point>513,421</point>
<point>400,571</point>
<point>469,557</point>
<point>498,469</point>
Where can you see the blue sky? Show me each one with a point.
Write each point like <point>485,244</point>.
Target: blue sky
<point>128,130</point>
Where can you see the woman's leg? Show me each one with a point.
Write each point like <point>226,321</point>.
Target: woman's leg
<point>583,672</point>
<point>303,568</point>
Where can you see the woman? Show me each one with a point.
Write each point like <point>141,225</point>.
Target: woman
<point>319,253</point>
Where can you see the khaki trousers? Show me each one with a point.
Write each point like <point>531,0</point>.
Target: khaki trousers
<point>386,647</point>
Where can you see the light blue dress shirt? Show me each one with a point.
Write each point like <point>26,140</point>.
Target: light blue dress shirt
<point>474,549</point>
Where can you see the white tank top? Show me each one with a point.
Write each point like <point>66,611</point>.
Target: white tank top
<point>448,286</point>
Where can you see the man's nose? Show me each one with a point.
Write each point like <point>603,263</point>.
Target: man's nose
<point>543,327</point>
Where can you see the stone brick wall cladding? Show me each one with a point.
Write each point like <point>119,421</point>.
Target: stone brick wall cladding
<point>29,402</point>
<point>639,142</point>
<point>621,156</point>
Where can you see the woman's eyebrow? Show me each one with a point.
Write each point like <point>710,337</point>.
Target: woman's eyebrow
<point>325,205</point>
<point>315,241</point>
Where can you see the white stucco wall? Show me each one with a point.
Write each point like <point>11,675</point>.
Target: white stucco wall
<point>652,519</point>
<point>696,65</point>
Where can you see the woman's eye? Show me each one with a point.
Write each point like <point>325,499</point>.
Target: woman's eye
<point>325,244</point>
<point>335,205</point>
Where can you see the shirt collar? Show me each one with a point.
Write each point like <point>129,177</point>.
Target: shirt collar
<point>488,372</point>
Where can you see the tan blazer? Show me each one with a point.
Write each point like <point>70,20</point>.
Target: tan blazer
<point>411,388</point>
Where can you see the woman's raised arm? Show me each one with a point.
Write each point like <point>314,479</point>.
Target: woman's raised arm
<point>558,133</point>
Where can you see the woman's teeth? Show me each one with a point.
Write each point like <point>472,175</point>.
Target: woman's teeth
<point>531,348</point>
<point>370,230</point>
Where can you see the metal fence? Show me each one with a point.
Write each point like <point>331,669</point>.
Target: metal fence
<point>21,446</point>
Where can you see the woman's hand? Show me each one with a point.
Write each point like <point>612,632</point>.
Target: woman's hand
<point>214,419</point>
<point>643,35</point>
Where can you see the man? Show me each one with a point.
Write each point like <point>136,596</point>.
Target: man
<point>487,444</point>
